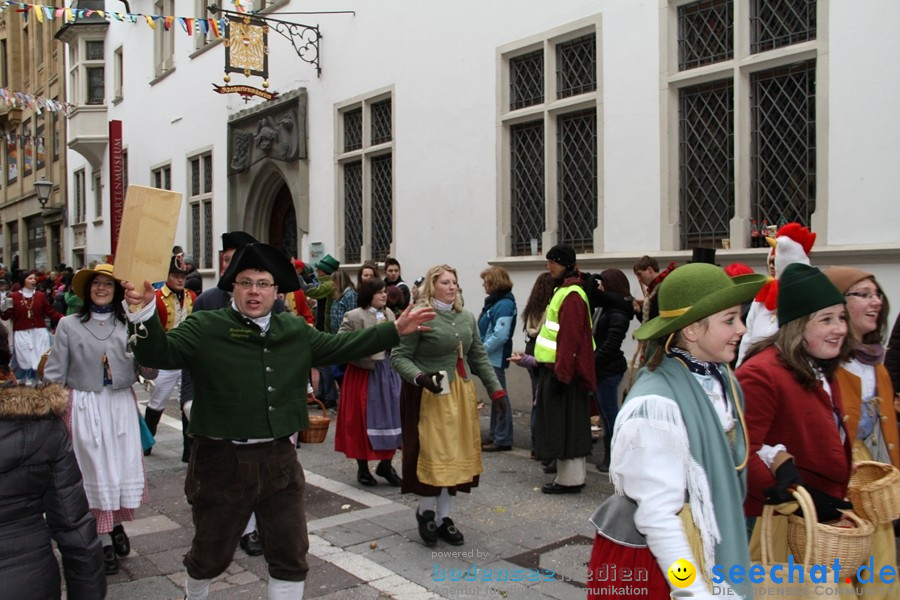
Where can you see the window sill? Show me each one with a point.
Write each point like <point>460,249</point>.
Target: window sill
<point>205,49</point>
<point>162,76</point>
<point>97,222</point>
<point>117,100</point>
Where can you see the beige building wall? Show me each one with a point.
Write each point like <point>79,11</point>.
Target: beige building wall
<point>32,143</point>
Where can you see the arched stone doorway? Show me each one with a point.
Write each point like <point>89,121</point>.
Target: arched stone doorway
<point>268,184</point>
<point>283,222</point>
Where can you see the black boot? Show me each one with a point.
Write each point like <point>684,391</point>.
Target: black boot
<point>110,560</point>
<point>120,542</point>
<point>363,475</point>
<point>188,440</point>
<point>603,467</point>
<point>152,418</point>
<point>386,470</point>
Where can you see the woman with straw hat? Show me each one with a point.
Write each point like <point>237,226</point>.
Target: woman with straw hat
<point>679,448</point>
<point>90,357</point>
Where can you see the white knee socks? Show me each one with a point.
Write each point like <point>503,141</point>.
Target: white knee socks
<point>251,525</point>
<point>443,506</point>
<point>196,589</point>
<point>426,503</point>
<point>285,590</point>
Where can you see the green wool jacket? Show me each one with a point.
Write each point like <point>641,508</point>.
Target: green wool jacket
<point>438,349</point>
<point>249,383</point>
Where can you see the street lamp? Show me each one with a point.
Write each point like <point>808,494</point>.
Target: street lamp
<point>43,186</point>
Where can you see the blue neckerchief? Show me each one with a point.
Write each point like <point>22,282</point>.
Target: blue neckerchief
<point>700,367</point>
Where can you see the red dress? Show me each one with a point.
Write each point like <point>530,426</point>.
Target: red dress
<point>352,436</point>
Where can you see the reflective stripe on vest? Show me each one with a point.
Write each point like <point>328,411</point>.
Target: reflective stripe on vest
<point>545,344</point>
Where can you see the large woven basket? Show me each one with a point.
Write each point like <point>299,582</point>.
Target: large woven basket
<point>850,545</point>
<point>318,425</point>
<point>875,491</point>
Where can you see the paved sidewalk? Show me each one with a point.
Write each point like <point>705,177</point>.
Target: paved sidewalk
<point>364,542</point>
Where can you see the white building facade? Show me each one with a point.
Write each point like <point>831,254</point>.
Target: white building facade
<point>479,132</point>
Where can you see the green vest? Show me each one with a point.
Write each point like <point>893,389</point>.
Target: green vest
<point>545,345</point>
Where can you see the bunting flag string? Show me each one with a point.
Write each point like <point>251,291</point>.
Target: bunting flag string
<point>37,103</point>
<point>11,137</point>
<point>70,15</point>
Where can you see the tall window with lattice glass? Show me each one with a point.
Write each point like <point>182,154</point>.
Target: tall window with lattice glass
<point>550,136</point>
<point>200,209</point>
<point>775,91</point>
<point>366,183</point>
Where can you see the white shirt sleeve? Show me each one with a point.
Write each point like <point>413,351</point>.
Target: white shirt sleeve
<point>140,316</point>
<point>653,475</point>
<point>767,453</point>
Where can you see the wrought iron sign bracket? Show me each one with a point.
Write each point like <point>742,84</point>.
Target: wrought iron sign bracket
<point>304,38</point>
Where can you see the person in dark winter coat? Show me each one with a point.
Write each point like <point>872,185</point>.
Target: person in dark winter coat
<point>41,496</point>
<point>612,315</point>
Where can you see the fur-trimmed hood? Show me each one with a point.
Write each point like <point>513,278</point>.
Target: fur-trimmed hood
<point>22,402</point>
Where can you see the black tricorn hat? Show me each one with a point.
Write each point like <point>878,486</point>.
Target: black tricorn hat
<point>236,239</point>
<point>261,257</point>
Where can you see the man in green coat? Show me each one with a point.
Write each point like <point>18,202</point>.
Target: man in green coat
<point>249,369</point>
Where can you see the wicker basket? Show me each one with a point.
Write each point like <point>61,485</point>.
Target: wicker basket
<point>318,425</point>
<point>850,545</point>
<point>875,491</point>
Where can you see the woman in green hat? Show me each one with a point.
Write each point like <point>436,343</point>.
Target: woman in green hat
<point>795,416</point>
<point>679,448</point>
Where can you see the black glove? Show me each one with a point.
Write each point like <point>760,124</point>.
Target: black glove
<point>430,381</point>
<point>786,478</point>
<point>827,506</point>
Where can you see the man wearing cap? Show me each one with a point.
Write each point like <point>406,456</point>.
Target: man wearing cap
<point>173,304</point>
<point>250,396</point>
<point>323,294</point>
<point>565,350</point>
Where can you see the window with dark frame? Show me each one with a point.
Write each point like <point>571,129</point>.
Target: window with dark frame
<point>576,66</point>
<point>372,203</point>
<point>782,120</point>
<point>353,130</point>
<point>573,154</point>
<point>779,23</point>
<point>200,199</point>
<point>526,80</point>
<point>382,202</point>
<point>577,179</point>
<point>527,199</point>
<point>381,121</point>
<point>706,162</point>
<point>80,200</point>
<point>705,33</point>
<point>783,144</point>
<point>353,230</point>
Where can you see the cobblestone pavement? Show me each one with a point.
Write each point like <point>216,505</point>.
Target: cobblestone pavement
<point>364,542</point>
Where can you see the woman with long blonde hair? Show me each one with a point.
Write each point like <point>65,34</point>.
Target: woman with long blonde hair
<point>441,433</point>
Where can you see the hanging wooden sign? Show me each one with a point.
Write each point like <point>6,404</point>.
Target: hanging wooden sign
<point>247,47</point>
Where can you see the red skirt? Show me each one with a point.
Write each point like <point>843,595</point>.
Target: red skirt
<point>351,436</point>
<point>607,576</point>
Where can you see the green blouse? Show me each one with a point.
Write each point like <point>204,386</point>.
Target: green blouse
<point>438,349</point>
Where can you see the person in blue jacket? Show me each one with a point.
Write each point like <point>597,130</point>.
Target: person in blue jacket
<point>496,325</point>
